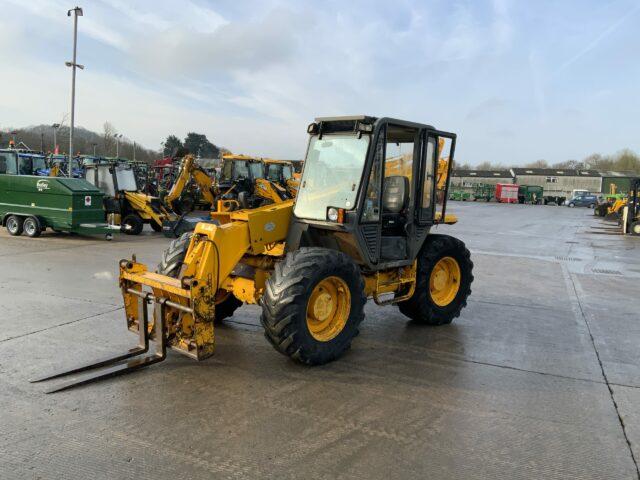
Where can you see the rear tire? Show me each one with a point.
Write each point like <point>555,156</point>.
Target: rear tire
<point>132,224</point>
<point>313,305</point>
<point>32,227</point>
<point>171,266</point>
<point>14,225</point>
<point>423,307</point>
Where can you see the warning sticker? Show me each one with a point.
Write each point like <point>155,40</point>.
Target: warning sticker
<point>87,201</point>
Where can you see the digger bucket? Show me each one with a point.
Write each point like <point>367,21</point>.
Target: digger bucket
<point>177,322</point>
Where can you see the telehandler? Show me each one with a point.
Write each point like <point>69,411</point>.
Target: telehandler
<point>355,231</point>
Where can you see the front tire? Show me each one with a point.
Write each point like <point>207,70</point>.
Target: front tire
<point>313,305</point>
<point>132,224</point>
<point>171,266</point>
<point>443,282</point>
<point>634,228</point>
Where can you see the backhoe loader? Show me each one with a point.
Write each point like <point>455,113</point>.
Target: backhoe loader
<point>281,173</point>
<point>125,205</point>
<point>356,230</point>
<point>242,184</point>
<point>189,172</point>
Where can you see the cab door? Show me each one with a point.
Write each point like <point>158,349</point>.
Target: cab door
<point>434,180</point>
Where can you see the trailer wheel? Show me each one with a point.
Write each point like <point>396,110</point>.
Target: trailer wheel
<point>443,282</point>
<point>14,225</point>
<point>171,266</point>
<point>132,224</point>
<point>313,304</point>
<point>32,227</point>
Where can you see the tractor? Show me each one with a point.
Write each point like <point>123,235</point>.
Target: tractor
<point>356,230</point>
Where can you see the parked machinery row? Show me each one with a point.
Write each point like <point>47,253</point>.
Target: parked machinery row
<point>622,208</point>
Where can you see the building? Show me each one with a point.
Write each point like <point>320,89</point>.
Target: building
<point>617,182</point>
<point>559,182</point>
<point>466,179</point>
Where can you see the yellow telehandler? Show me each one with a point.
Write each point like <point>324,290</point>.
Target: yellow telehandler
<point>356,230</point>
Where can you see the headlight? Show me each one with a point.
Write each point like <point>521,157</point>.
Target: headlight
<point>332,214</point>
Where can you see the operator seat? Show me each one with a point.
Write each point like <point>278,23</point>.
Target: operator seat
<point>395,198</point>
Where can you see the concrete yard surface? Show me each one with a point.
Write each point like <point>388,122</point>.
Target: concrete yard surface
<point>538,378</point>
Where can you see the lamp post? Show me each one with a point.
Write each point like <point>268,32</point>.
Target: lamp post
<point>77,12</point>
<point>55,127</point>
<point>118,136</point>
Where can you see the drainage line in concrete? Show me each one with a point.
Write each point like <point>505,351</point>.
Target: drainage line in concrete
<point>604,374</point>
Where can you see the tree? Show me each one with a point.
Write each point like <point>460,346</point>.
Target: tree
<point>538,164</point>
<point>107,137</point>
<point>198,144</point>
<point>170,145</point>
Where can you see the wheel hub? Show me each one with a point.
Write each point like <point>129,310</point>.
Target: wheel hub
<point>444,282</point>
<point>328,308</point>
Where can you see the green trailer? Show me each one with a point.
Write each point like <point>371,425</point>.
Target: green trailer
<point>31,204</point>
<point>532,194</point>
<point>483,191</point>
<point>459,195</point>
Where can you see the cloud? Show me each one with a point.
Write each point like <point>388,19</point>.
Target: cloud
<point>232,46</point>
<point>488,108</point>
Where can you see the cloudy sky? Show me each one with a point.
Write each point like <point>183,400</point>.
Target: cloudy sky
<point>517,80</point>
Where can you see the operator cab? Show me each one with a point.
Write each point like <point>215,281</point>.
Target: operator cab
<point>278,172</point>
<point>372,187</point>
<point>112,178</point>
<point>16,162</point>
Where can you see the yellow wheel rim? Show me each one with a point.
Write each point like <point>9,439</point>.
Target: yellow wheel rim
<point>328,308</point>
<point>444,281</point>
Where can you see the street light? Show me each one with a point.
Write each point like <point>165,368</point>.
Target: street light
<point>77,12</point>
<point>55,127</point>
<point>117,136</point>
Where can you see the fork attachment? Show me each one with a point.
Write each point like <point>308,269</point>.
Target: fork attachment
<point>130,361</point>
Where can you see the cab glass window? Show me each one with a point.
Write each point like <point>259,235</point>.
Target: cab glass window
<point>371,209</point>
<point>9,161</point>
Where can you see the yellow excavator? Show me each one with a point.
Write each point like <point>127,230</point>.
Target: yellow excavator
<point>356,230</point>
